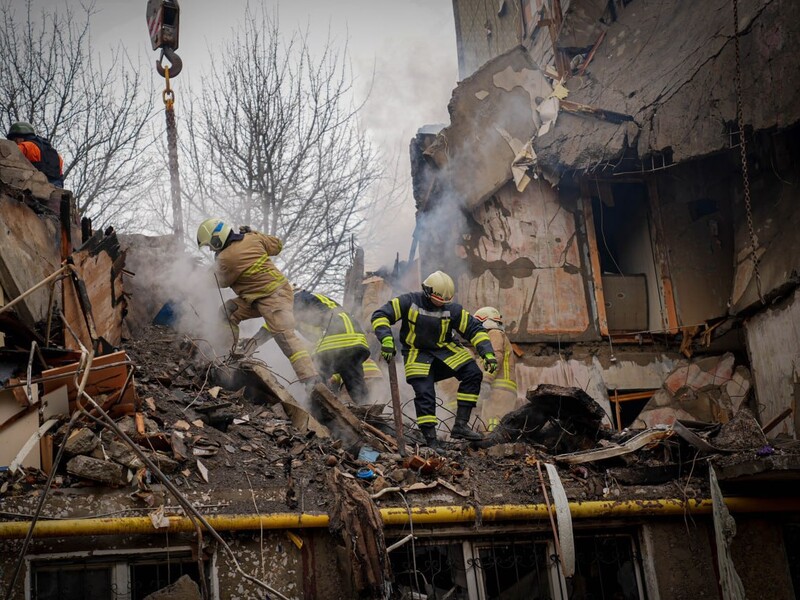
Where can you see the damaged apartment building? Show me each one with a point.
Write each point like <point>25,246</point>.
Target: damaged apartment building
<point>598,185</point>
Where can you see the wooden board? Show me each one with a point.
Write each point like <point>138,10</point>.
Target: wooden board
<point>102,381</point>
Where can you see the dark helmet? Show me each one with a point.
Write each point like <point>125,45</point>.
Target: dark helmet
<point>20,129</point>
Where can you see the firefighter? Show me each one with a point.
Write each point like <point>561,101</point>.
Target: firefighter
<point>502,397</point>
<point>243,263</point>
<point>340,344</point>
<point>431,354</point>
<point>38,151</point>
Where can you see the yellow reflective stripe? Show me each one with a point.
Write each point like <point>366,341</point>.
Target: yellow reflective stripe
<point>336,378</point>
<point>413,368</point>
<point>426,419</point>
<point>341,340</point>
<point>326,301</point>
<point>462,326</point>
<point>505,384</point>
<point>396,307</point>
<point>348,324</point>
<point>493,423</point>
<point>506,366</point>
<point>380,322</point>
<point>265,326</point>
<point>445,329</point>
<point>479,337</point>
<point>256,266</point>
<point>459,357</point>
<point>298,355</point>
<point>370,365</point>
<point>412,326</point>
<point>464,397</point>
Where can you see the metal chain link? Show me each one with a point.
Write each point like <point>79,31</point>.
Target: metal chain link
<point>168,96</point>
<point>743,153</point>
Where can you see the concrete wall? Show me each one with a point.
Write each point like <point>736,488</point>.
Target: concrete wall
<point>697,216</point>
<point>773,343</point>
<point>482,33</point>
<point>521,252</point>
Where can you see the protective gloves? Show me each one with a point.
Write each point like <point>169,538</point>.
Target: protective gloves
<point>489,363</point>
<point>387,348</point>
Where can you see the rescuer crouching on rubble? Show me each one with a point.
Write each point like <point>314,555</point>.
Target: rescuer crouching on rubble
<point>502,397</point>
<point>340,343</point>
<point>38,151</point>
<point>243,264</point>
<point>431,354</point>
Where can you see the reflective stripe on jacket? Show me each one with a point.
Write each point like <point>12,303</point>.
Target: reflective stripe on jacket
<point>322,319</point>
<point>246,266</point>
<point>505,377</point>
<point>426,332</point>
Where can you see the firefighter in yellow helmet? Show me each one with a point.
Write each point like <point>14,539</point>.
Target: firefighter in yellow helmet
<point>243,263</point>
<point>428,320</point>
<point>503,391</point>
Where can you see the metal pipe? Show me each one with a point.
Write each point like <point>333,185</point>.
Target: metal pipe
<point>421,515</point>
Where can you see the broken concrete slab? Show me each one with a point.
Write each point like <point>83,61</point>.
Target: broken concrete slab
<point>101,471</point>
<point>81,441</point>
<point>493,115</point>
<point>183,589</point>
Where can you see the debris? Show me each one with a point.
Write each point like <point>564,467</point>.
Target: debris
<point>32,441</point>
<point>179,449</point>
<point>368,454</point>
<point>198,423</point>
<point>81,441</point>
<point>159,519</point>
<point>182,425</point>
<point>356,523</point>
<point>725,531</point>
<point>331,460</point>
<point>637,442</point>
<point>214,391</point>
<point>183,589</point>
<point>151,404</point>
<point>101,471</point>
<point>203,470</point>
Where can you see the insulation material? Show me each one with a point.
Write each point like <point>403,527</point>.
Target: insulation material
<point>523,255</point>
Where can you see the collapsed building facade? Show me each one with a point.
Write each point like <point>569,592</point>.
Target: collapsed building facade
<point>590,186</point>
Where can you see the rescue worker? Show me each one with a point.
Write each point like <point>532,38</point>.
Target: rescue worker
<point>373,378</point>
<point>38,151</point>
<point>502,397</point>
<point>340,344</point>
<point>429,319</point>
<point>243,263</point>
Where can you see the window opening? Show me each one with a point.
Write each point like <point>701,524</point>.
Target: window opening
<point>621,215</point>
<point>791,541</point>
<point>74,581</point>
<point>514,571</point>
<point>440,571</point>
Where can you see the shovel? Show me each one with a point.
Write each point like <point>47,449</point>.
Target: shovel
<point>398,411</point>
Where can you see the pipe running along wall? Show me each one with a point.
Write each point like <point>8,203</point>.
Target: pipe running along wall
<point>434,515</point>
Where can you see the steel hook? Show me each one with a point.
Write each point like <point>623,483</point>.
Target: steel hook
<point>175,62</point>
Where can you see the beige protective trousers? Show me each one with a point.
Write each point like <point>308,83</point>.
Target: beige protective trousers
<point>278,314</point>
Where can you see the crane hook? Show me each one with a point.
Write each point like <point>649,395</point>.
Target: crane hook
<point>175,62</point>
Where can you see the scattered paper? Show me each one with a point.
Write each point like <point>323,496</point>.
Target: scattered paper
<point>203,471</point>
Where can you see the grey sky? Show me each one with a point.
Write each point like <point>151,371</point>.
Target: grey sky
<point>410,44</point>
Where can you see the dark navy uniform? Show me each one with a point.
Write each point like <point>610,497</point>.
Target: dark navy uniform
<point>430,351</point>
<point>341,346</point>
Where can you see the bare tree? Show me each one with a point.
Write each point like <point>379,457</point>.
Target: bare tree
<point>274,141</point>
<point>97,116</point>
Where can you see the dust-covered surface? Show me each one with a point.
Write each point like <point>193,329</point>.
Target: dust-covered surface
<point>256,461</point>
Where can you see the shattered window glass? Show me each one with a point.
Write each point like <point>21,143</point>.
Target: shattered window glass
<point>430,572</point>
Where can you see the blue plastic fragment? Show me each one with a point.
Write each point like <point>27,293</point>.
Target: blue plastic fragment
<point>367,454</point>
<point>365,473</point>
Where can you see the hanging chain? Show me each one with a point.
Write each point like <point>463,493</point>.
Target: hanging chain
<point>743,153</point>
<point>168,95</point>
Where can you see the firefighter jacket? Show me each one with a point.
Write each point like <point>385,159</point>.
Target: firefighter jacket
<point>324,320</point>
<point>245,266</point>
<point>505,377</point>
<point>427,330</point>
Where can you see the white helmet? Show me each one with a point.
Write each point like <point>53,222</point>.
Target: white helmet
<point>439,288</point>
<point>490,317</point>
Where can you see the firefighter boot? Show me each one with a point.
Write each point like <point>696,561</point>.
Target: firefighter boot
<point>429,433</point>
<point>461,428</point>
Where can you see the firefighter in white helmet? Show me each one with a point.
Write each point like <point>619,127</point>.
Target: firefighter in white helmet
<point>431,354</point>
<point>503,382</point>
<point>243,263</point>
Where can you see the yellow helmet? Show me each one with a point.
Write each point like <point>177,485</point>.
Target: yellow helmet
<point>490,317</point>
<point>439,288</point>
<point>213,233</point>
